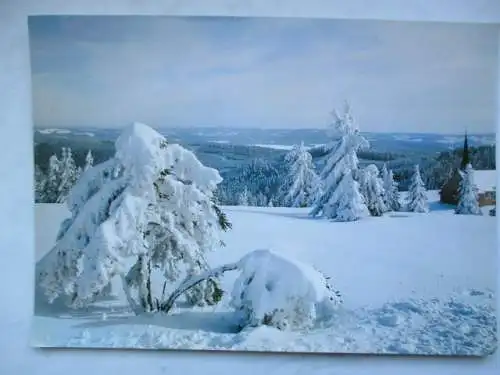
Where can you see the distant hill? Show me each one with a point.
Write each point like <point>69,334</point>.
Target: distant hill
<point>261,168</point>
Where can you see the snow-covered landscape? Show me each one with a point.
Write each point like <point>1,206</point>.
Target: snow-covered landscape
<point>404,290</point>
<point>406,282</point>
<point>263,185</point>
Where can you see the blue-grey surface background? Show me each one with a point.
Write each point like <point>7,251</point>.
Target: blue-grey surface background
<point>16,207</point>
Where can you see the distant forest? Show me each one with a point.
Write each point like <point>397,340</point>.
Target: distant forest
<point>260,171</point>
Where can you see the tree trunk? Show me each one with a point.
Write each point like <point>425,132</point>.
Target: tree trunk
<point>135,308</point>
<point>148,286</point>
<point>145,283</point>
<point>192,281</point>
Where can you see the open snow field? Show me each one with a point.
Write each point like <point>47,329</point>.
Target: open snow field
<point>411,283</point>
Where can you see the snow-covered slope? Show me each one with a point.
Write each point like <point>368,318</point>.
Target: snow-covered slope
<point>411,283</point>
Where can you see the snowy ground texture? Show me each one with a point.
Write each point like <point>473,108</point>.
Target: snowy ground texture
<point>411,284</point>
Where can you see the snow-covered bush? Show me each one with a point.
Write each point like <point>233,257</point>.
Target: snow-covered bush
<point>468,203</point>
<point>340,197</point>
<point>373,190</point>
<point>152,202</point>
<point>281,292</point>
<point>417,200</point>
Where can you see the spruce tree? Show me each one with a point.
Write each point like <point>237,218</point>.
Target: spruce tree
<point>391,191</point>
<point>302,180</point>
<point>243,198</point>
<point>468,203</point>
<point>153,203</point>
<point>68,174</point>
<point>53,180</point>
<point>417,200</point>
<point>89,161</point>
<point>341,164</point>
<point>40,181</point>
<point>348,203</point>
<point>373,190</point>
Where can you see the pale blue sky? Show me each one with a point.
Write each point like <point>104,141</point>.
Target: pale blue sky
<point>266,73</point>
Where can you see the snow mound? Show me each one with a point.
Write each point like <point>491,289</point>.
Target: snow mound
<point>281,292</point>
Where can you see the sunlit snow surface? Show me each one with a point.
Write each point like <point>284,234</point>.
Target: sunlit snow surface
<point>411,284</point>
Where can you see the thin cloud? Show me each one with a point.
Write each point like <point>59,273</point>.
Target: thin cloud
<point>271,73</point>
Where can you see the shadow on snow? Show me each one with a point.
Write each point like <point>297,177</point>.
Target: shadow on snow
<point>215,322</point>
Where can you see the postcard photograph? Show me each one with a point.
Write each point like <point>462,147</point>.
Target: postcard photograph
<point>264,184</point>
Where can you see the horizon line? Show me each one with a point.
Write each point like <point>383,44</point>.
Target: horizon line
<point>87,128</point>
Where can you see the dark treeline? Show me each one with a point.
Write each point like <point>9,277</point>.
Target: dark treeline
<point>260,171</point>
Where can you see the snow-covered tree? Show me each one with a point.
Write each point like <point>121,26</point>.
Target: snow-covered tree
<point>391,191</point>
<point>468,203</point>
<point>258,176</point>
<point>261,200</point>
<point>337,177</point>
<point>252,200</point>
<point>346,203</point>
<point>186,225</point>
<point>40,181</point>
<point>417,200</point>
<point>302,180</point>
<point>243,198</point>
<point>68,174</point>
<point>53,180</point>
<point>152,202</point>
<point>221,196</point>
<point>373,190</point>
<point>89,160</point>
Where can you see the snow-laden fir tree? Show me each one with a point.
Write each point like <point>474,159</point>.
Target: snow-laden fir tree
<point>337,175</point>
<point>252,200</point>
<point>68,174</point>
<point>373,190</point>
<point>40,181</point>
<point>391,192</point>
<point>258,176</point>
<point>261,200</point>
<point>302,180</point>
<point>89,160</point>
<point>185,226</point>
<point>286,180</point>
<point>468,203</point>
<point>152,202</point>
<point>417,200</point>
<point>53,180</point>
<point>243,198</point>
<point>221,196</point>
<point>348,203</point>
